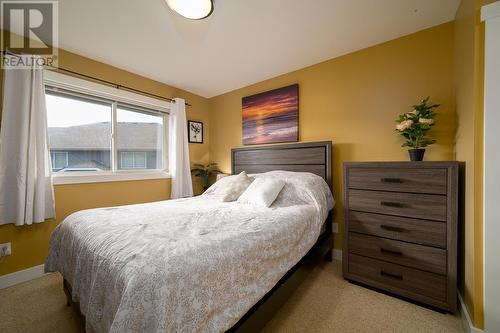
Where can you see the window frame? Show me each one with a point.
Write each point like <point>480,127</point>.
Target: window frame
<point>117,97</point>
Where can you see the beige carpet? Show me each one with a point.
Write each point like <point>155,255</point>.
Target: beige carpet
<point>324,302</point>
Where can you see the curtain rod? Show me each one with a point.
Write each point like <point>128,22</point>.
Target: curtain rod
<point>109,83</point>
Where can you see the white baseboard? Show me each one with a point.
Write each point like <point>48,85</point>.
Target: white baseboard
<point>468,325</point>
<point>31,273</point>
<point>337,254</point>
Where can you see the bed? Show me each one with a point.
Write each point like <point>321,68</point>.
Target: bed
<point>196,264</point>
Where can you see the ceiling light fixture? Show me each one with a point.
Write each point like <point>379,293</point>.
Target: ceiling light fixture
<point>192,9</point>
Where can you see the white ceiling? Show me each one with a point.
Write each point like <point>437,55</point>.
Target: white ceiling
<point>243,42</point>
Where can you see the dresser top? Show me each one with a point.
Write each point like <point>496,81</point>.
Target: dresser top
<point>403,164</point>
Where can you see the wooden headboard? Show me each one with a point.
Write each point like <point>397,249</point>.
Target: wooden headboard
<point>314,157</point>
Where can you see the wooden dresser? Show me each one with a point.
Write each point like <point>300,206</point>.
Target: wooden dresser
<point>400,233</point>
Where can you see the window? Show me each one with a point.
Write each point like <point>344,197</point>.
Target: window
<point>104,131</point>
<point>59,160</point>
<point>140,137</point>
<point>82,128</point>
<point>133,160</point>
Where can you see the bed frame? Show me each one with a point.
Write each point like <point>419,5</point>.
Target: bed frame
<point>314,157</point>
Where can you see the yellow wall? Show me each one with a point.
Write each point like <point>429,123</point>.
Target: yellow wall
<point>353,101</point>
<point>30,243</point>
<point>469,77</point>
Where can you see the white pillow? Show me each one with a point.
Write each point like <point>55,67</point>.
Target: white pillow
<point>221,182</point>
<point>231,189</point>
<point>262,191</point>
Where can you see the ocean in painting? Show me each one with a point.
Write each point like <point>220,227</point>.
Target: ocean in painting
<point>271,116</point>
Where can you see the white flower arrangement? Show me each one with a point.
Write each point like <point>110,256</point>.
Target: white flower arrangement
<point>404,125</point>
<point>426,121</point>
<point>413,126</point>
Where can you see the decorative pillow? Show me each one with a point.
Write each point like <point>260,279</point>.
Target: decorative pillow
<point>219,183</point>
<point>233,186</point>
<point>262,191</point>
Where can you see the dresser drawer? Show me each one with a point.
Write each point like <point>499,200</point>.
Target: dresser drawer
<point>431,181</point>
<point>424,206</point>
<point>412,255</point>
<point>400,228</point>
<point>397,278</point>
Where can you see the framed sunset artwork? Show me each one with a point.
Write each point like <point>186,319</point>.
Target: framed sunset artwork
<point>271,116</point>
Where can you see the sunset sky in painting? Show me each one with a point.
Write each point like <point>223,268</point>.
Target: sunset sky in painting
<point>271,116</point>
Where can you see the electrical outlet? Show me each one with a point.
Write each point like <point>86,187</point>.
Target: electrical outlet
<point>335,228</point>
<point>5,249</point>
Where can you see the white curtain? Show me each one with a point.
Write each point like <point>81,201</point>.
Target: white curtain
<point>178,151</point>
<point>26,193</point>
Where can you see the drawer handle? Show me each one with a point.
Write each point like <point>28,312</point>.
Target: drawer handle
<point>393,276</point>
<point>391,204</point>
<point>391,228</point>
<point>391,252</point>
<point>391,180</point>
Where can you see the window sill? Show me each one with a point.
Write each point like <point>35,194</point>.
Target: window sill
<point>81,178</point>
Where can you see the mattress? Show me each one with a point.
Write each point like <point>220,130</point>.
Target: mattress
<point>191,265</point>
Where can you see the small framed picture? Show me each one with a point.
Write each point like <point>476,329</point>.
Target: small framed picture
<point>195,130</point>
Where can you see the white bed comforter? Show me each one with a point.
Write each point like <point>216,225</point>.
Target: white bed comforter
<point>187,265</point>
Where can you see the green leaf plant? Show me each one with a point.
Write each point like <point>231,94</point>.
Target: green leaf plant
<point>205,173</point>
<point>414,125</point>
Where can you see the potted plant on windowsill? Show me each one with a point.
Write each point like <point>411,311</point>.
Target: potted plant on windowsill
<point>205,173</point>
<point>414,125</point>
